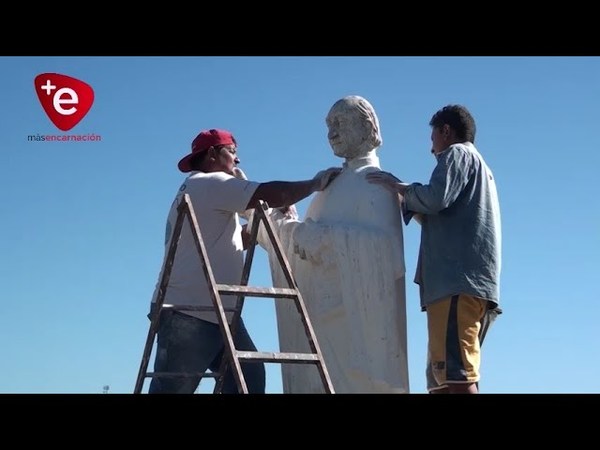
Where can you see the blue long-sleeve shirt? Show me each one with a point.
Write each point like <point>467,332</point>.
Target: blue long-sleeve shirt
<point>460,249</point>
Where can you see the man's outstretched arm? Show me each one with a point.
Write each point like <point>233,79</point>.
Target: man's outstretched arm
<point>286,193</point>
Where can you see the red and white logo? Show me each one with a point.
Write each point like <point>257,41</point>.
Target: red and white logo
<point>65,99</point>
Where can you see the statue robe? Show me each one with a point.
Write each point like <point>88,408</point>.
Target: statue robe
<point>347,257</point>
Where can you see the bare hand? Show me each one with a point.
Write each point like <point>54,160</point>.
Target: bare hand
<point>324,177</point>
<point>290,212</point>
<point>239,173</point>
<point>388,181</point>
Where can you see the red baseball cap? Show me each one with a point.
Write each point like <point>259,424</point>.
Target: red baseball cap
<point>205,140</point>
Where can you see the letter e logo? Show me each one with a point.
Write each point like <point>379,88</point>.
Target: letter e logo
<point>65,99</point>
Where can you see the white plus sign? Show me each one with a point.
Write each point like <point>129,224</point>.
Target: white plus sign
<point>48,87</point>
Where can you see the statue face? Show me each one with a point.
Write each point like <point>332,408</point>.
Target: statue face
<point>349,131</point>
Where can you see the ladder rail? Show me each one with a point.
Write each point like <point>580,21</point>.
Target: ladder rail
<point>155,314</point>
<point>229,350</point>
<point>225,362</point>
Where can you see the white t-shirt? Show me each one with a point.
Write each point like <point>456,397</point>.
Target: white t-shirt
<point>217,198</point>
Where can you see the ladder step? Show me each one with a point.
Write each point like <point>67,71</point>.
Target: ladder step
<point>292,358</point>
<point>195,308</point>
<point>257,291</point>
<point>182,375</point>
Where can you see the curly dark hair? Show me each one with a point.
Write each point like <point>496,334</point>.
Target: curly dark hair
<point>459,119</point>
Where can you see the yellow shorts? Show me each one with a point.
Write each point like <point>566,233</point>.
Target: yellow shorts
<point>456,328</point>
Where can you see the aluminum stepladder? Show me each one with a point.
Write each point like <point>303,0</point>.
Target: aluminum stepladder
<point>231,356</point>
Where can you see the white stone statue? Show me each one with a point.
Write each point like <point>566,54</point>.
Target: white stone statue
<point>348,259</point>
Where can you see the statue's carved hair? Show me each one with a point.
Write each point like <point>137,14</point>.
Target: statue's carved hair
<point>365,108</point>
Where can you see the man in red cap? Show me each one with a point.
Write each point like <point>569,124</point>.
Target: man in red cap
<point>191,341</point>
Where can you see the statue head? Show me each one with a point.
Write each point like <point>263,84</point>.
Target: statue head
<point>353,127</point>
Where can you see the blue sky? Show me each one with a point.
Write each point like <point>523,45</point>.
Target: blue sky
<point>83,222</point>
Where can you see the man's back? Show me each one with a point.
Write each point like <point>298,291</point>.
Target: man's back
<point>215,197</point>
<point>461,244</point>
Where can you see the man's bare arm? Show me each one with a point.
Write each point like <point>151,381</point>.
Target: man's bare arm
<point>286,193</point>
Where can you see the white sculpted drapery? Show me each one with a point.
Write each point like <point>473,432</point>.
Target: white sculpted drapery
<point>347,257</point>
